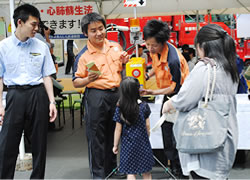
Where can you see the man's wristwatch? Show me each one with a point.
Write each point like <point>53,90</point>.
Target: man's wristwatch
<point>52,102</point>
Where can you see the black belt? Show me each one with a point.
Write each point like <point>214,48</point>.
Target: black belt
<point>23,86</point>
<point>115,89</point>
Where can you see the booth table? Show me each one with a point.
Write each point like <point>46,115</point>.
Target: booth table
<point>243,117</point>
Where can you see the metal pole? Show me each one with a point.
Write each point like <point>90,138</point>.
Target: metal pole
<point>12,7</point>
<point>165,168</point>
<point>197,21</point>
<point>135,13</point>
<point>21,148</point>
<point>209,15</point>
<point>197,28</point>
<point>13,29</point>
<point>136,45</point>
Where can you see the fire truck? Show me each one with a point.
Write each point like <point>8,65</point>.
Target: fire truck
<point>183,30</point>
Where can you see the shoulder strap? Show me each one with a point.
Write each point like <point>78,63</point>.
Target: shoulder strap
<point>210,89</point>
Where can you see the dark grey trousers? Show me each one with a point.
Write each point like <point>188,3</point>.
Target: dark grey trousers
<point>99,110</point>
<point>25,107</point>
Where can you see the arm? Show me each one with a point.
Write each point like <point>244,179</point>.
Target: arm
<point>124,57</point>
<point>145,56</point>
<point>165,91</point>
<point>65,46</point>
<point>82,82</point>
<point>149,74</point>
<point>81,75</point>
<point>167,107</point>
<point>148,126</point>
<point>1,97</point>
<point>46,34</point>
<point>192,90</point>
<point>52,107</point>
<point>118,131</point>
<point>74,44</point>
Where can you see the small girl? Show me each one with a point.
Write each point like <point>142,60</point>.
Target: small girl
<point>132,123</point>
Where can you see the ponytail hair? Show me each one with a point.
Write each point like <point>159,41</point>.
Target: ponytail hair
<point>129,94</point>
<point>217,44</point>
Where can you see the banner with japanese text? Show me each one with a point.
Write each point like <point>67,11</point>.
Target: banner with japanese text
<point>65,19</point>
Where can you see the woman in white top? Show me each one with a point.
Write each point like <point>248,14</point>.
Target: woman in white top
<point>212,42</point>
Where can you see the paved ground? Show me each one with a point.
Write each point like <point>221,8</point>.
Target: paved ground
<point>67,156</point>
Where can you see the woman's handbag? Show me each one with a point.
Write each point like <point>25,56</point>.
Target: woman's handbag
<point>204,128</point>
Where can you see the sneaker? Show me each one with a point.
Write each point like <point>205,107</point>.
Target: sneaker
<point>118,175</point>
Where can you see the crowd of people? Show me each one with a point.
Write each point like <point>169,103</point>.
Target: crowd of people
<point>114,112</point>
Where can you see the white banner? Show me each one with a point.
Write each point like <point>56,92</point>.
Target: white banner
<point>65,19</point>
<point>243,25</point>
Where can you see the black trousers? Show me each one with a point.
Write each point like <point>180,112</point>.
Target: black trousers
<point>71,59</point>
<point>169,143</point>
<point>24,108</point>
<point>99,110</point>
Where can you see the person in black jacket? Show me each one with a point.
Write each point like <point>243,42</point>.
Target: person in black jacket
<point>71,56</point>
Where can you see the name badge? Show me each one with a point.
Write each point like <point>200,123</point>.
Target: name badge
<point>116,49</point>
<point>166,68</point>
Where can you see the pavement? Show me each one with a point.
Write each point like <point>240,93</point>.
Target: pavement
<point>67,156</point>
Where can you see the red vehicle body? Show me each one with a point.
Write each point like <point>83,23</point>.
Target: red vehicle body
<point>184,29</point>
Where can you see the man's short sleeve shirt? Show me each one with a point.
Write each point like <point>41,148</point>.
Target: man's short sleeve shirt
<point>24,63</point>
<point>107,62</point>
<point>171,69</point>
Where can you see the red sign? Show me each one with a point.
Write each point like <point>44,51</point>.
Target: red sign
<point>136,73</point>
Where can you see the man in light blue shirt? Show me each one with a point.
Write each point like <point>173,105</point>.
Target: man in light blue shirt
<point>25,68</point>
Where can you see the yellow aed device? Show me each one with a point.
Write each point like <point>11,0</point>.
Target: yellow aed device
<point>136,67</point>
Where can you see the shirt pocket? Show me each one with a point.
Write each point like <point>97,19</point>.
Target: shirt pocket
<point>11,66</point>
<point>116,62</point>
<point>35,65</point>
<point>166,74</point>
<point>161,73</point>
